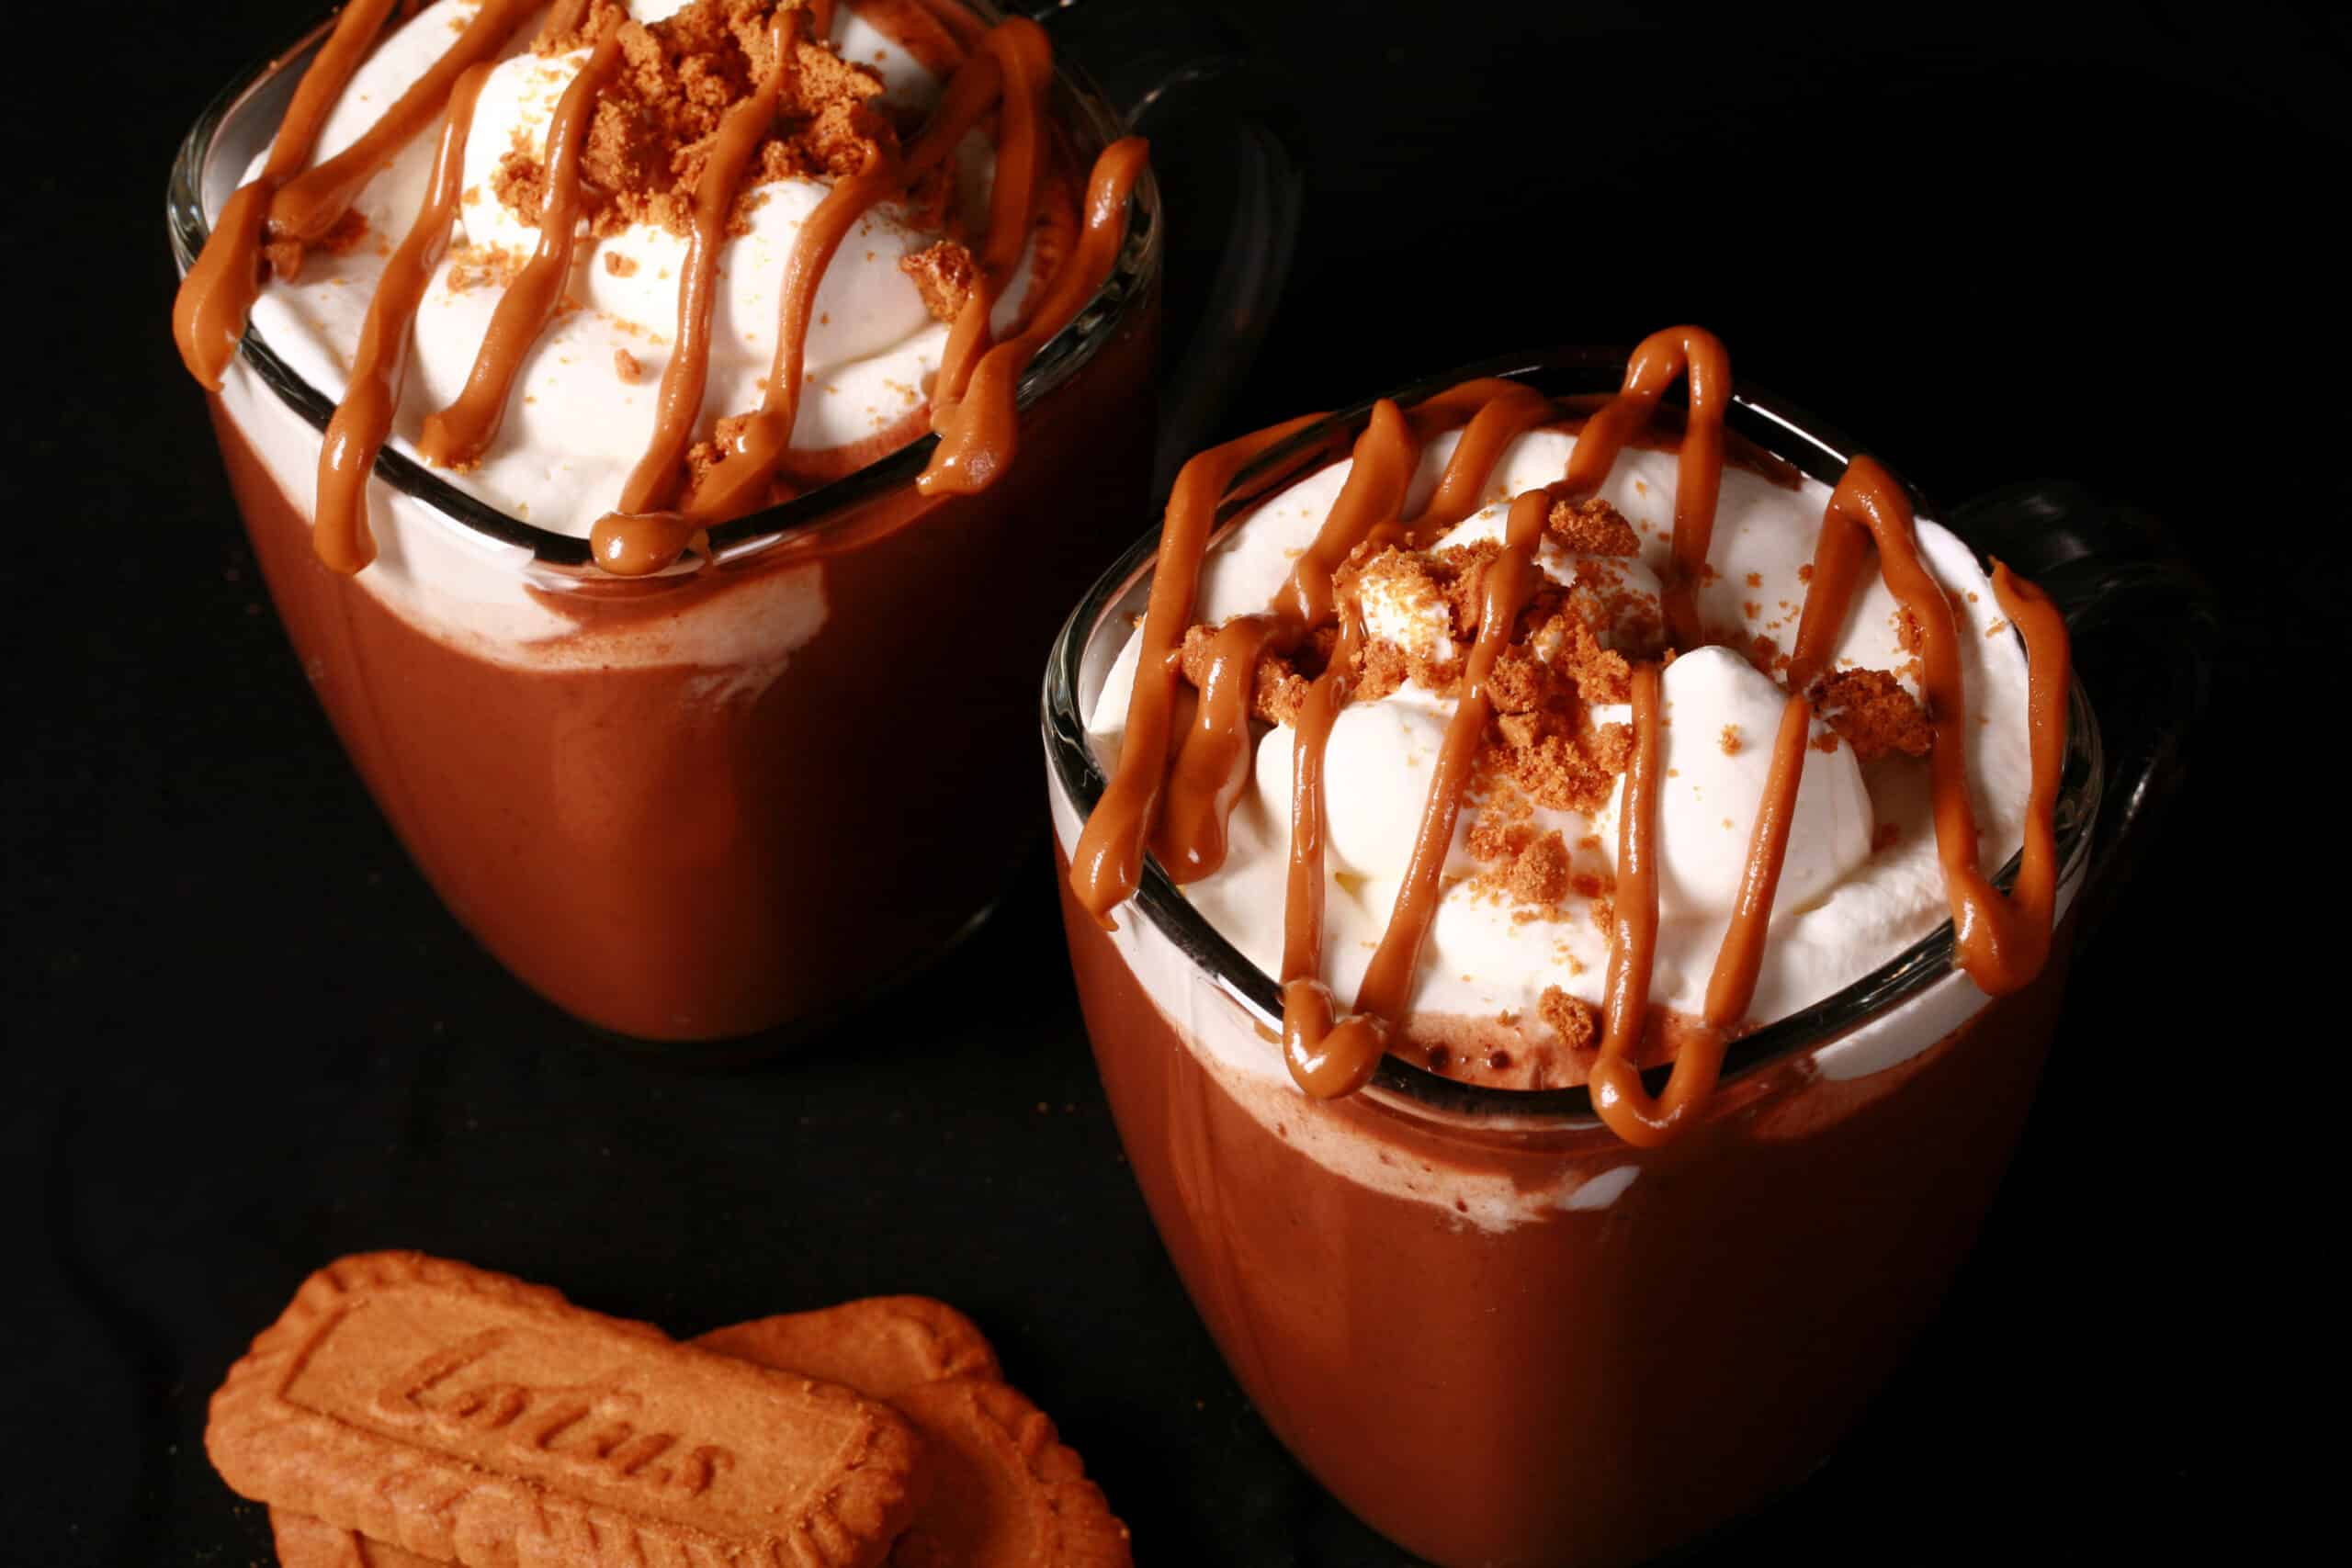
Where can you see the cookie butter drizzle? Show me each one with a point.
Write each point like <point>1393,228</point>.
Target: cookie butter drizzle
<point>1009,70</point>
<point>364,416</point>
<point>2001,941</point>
<point>455,437</point>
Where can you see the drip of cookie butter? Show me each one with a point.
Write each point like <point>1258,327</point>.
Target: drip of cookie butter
<point>1023,62</point>
<point>1007,69</point>
<point>455,437</point>
<point>632,542</point>
<point>1335,1055</point>
<point>364,419</point>
<point>1615,1085</point>
<point>1461,489</point>
<point>208,313</point>
<point>1373,491</point>
<point>314,202</point>
<point>1388,985</point>
<point>295,208</point>
<point>741,481</point>
<point>1107,862</point>
<point>977,432</point>
<point>1662,359</point>
<point>2001,944</point>
<point>655,482</point>
<point>1212,765</point>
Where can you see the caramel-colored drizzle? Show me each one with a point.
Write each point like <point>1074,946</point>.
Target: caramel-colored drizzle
<point>1663,358</point>
<point>1345,1060</point>
<point>208,313</point>
<point>654,481</point>
<point>1460,492</point>
<point>1013,67</point>
<point>1022,61</point>
<point>363,418</point>
<point>2002,944</point>
<point>1213,766</point>
<point>456,436</point>
<point>977,432</point>
<point>1333,1053</point>
<point>1615,1083</point>
<point>297,207</point>
<point>644,534</point>
<point>1107,862</point>
<point>1009,70</point>
<point>314,202</point>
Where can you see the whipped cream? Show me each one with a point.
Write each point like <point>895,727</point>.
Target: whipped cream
<point>575,424</point>
<point>1861,881</point>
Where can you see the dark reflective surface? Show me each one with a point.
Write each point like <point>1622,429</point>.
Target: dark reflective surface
<point>241,1036</point>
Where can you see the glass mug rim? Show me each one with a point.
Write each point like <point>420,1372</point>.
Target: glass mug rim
<point>1815,449</point>
<point>1076,102</point>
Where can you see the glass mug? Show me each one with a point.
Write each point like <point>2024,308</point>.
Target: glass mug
<point>1491,1329</point>
<point>698,805</point>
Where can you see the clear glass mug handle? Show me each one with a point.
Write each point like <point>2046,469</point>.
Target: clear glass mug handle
<point>1223,140</point>
<point>2145,632</point>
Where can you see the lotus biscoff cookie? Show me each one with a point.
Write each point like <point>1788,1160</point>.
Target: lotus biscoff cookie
<point>997,1487</point>
<point>881,1346</point>
<point>467,1416</point>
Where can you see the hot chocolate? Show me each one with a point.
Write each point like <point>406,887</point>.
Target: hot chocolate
<point>1562,738</point>
<point>692,370</point>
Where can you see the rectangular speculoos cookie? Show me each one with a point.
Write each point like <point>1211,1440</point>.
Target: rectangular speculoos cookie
<point>470,1418</point>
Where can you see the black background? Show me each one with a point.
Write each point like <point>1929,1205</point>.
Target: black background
<point>243,1038</point>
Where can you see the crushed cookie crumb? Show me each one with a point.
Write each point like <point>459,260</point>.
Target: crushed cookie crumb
<point>655,124</point>
<point>1574,1020</point>
<point>476,267</point>
<point>944,273</point>
<point>626,366</point>
<point>1540,874</point>
<point>1873,712</point>
<point>1591,527</point>
<point>1729,740</point>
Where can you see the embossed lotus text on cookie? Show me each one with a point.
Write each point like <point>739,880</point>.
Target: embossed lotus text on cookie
<point>880,1345</point>
<point>465,1415</point>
